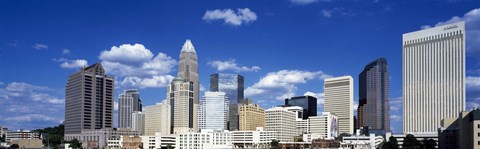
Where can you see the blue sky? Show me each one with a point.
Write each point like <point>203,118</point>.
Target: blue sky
<point>283,47</point>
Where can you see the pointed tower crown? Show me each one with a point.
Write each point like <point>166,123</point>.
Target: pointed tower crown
<point>188,46</point>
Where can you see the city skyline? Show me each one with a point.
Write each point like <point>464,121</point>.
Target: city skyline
<point>263,81</point>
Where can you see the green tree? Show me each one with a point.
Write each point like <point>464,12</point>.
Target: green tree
<point>299,140</point>
<point>169,146</point>
<point>14,146</point>
<point>274,144</point>
<point>75,144</point>
<point>410,142</point>
<point>52,136</point>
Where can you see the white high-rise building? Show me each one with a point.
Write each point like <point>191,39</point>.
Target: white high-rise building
<point>128,102</point>
<point>213,111</point>
<point>339,101</point>
<point>157,119</point>
<point>282,121</point>
<point>138,122</point>
<point>433,77</point>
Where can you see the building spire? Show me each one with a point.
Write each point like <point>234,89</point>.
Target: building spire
<point>188,46</point>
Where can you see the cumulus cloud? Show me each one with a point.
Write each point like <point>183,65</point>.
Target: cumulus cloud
<point>31,117</point>
<point>338,11</point>
<point>66,51</point>
<point>472,27</point>
<point>327,13</point>
<point>306,2</point>
<point>40,46</point>
<point>78,63</point>
<point>473,83</point>
<point>137,66</point>
<point>396,104</point>
<point>282,84</point>
<point>395,118</point>
<point>232,65</point>
<point>320,97</point>
<point>229,16</point>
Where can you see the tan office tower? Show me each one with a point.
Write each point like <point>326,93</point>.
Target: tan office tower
<point>180,97</point>
<point>251,116</point>
<point>433,77</point>
<point>339,101</point>
<point>157,119</point>
<point>88,101</point>
<point>188,68</point>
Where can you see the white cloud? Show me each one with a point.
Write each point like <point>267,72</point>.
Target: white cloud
<point>306,2</point>
<point>231,65</point>
<point>395,103</point>
<point>327,13</point>
<point>396,118</point>
<point>472,105</point>
<point>202,88</point>
<point>29,92</point>
<point>31,117</point>
<point>229,16</point>
<point>136,66</point>
<point>473,83</point>
<point>472,27</point>
<point>282,84</point>
<point>40,46</point>
<point>320,97</point>
<point>338,11</point>
<point>115,106</point>
<point>78,63</point>
<point>66,51</point>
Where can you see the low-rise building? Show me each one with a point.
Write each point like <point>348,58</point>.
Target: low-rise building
<point>324,126</point>
<point>325,143</point>
<point>28,143</point>
<point>253,139</point>
<point>208,139</point>
<point>21,134</point>
<point>158,141</point>
<point>361,141</point>
<point>97,138</point>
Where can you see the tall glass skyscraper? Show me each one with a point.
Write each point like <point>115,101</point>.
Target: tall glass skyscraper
<point>232,86</point>
<point>308,103</point>
<point>373,109</point>
<point>128,103</point>
<point>213,111</point>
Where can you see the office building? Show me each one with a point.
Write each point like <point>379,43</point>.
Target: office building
<point>232,85</point>
<point>157,119</point>
<point>251,116</point>
<point>324,126</point>
<point>433,77</point>
<point>21,134</point>
<point>124,142</point>
<point>213,111</point>
<point>180,97</point>
<point>301,125</point>
<point>98,138</point>
<point>371,141</point>
<point>252,139</point>
<point>460,132</point>
<point>339,101</point>
<point>282,121</point>
<point>308,103</point>
<point>88,100</point>
<point>128,102</point>
<point>188,68</point>
<point>158,141</point>
<point>373,97</point>
<point>205,139</point>
<point>138,122</point>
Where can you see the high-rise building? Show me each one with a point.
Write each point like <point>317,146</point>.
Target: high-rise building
<point>157,119</point>
<point>138,122</point>
<point>282,121</point>
<point>180,97</point>
<point>433,77</point>
<point>373,96</point>
<point>308,103</point>
<point>232,85</point>
<point>339,101</point>
<point>88,100</point>
<point>188,68</point>
<point>213,111</point>
<point>251,116</point>
<point>128,102</point>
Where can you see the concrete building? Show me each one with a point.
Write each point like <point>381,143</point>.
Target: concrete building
<point>213,111</point>
<point>324,126</point>
<point>448,134</point>
<point>21,134</point>
<point>157,119</point>
<point>188,69</point>
<point>253,139</point>
<point>28,143</point>
<point>339,101</point>
<point>461,132</point>
<point>205,139</point>
<point>301,125</point>
<point>251,116</point>
<point>158,141</point>
<point>3,131</point>
<point>282,121</point>
<point>373,95</point>
<point>433,77</point>
<point>308,103</point>
<point>361,142</point>
<point>138,122</point>
<point>98,138</point>
<point>128,102</point>
<point>88,100</point>
<point>183,106</point>
<point>232,85</point>
<point>124,142</point>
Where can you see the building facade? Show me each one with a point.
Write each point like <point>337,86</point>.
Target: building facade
<point>89,100</point>
<point>205,139</point>
<point>339,101</point>
<point>158,141</point>
<point>213,111</point>
<point>324,126</point>
<point>252,139</point>
<point>180,97</point>
<point>433,77</point>
<point>373,96</point>
<point>188,68</point>
<point>251,116</point>
<point>128,102</point>
<point>157,119</point>
<point>308,103</point>
<point>233,86</point>
<point>282,121</point>
<point>138,122</point>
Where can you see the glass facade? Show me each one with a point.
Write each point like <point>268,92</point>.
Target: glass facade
<point>308,103</point>
<point>213,111</point>
<point>232,85</point>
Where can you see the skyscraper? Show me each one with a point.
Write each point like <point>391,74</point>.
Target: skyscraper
<point>433,77</point>
<point>308,103</point>
<point>158,118</point>
<point>339,101</point>
<point>213,111</point>
<point>373,96</point>
<point>88,100</point>
<point>188,67</point>
<point>180,97</point>
<point>128,102</point>
<point>232,86</point>
<point>138,122</point>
